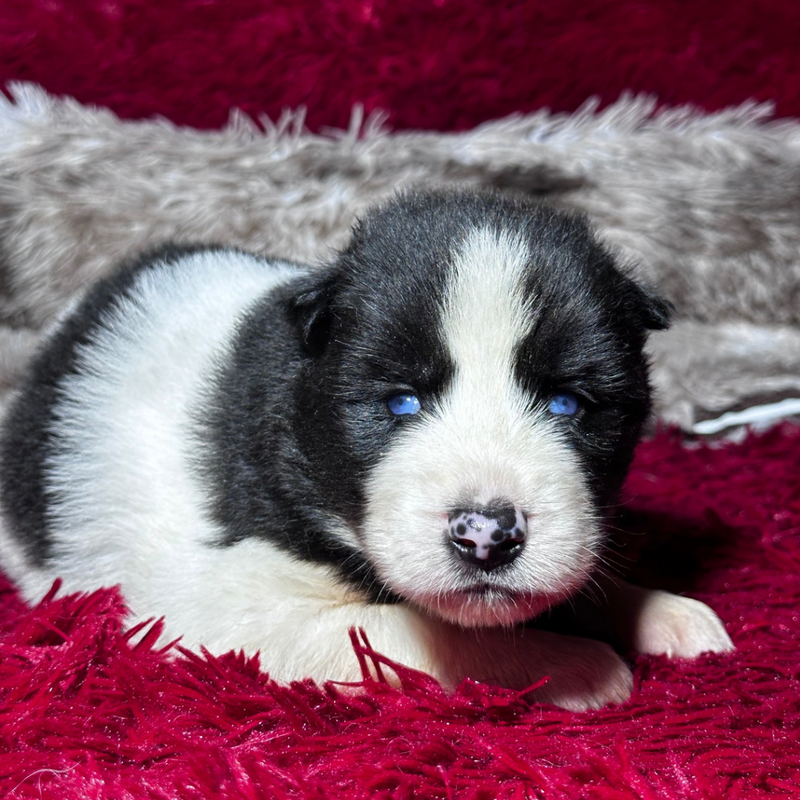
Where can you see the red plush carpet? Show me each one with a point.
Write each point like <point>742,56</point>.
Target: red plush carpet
<point>436,64</point>
<point>84,715</point>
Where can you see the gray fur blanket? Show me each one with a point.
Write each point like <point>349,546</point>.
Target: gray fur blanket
<point>705,207</point>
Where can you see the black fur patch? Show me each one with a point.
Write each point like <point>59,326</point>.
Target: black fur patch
<point>259,475</point>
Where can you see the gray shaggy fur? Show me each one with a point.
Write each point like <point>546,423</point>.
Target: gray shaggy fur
<point>706,206</point>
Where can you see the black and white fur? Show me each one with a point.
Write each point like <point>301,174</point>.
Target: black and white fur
<point>212,431</point>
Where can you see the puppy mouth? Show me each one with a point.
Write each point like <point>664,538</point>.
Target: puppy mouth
<point>486,591</point>
<point>480,605</point>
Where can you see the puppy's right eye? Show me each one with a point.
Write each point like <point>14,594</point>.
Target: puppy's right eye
<point>403,404</point>
<point>564,404</point>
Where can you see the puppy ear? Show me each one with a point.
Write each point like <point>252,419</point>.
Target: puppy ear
<point>309,309</point>
<point>657,312</point>
<point>654,312</point>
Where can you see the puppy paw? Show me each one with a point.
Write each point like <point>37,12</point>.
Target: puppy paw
<point>678,627</point>
<point>581,673</point>
<point>587,675</point>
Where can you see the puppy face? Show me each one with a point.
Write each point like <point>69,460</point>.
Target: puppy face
<point>472,400</point>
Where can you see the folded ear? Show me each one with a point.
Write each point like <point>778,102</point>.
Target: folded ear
<point>654,311</point>
<point>657,311</point>
<point>309,308</point>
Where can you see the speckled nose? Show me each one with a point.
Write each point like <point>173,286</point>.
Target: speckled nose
<point>488,537</point>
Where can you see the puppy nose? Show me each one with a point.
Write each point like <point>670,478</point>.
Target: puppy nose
<point>488,537</point>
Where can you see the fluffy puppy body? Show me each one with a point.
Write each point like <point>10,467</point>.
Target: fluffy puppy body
<point>268,455</point>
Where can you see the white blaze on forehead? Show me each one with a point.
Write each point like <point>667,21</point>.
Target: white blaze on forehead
<point>486,314</point>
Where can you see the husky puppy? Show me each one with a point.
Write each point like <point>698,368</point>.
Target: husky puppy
<point>418,440</point>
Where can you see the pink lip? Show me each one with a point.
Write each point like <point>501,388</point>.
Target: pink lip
<point>485,588</point>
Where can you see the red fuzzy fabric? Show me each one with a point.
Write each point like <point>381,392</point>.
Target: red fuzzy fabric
<point>85,715</point>
<point>436,64</point>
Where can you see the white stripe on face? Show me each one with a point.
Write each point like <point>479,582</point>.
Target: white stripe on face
<point>485,318</point>
<point>486,314</point>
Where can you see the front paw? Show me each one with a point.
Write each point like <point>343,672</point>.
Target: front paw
<point>587,674</point>
<point>581,673</point>
<point>678,627</point>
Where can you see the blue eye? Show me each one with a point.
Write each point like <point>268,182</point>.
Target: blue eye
<point>402,404</point>
<point>564,404</point>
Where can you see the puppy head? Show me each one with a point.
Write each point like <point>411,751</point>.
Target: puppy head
<point>472,396</point>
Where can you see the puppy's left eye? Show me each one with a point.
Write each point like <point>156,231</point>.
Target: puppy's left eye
<point>564,404</point>
<point>403,404</point>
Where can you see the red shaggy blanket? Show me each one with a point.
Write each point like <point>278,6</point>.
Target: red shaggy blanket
<point>434,64</point>
<point>83,714</point>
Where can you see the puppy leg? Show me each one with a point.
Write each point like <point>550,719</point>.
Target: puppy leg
<point>298,615</point>
<point>660,623</point>
<point>582,673</point>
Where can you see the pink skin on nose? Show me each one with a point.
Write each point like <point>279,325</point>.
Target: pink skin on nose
<point>487,529</point>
